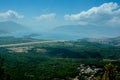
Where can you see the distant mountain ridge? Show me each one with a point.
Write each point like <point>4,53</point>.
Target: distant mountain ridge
<point>88,31</point>
<point>10,26</point>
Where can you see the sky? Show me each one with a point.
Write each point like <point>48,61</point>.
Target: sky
<point>51,13</point>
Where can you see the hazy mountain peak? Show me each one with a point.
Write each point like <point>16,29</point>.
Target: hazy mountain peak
<point>10,26</point>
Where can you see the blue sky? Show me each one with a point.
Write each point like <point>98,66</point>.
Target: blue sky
<point>36,7</point>
<point>51,13</point>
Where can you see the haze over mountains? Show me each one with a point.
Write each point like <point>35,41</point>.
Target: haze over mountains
<point>89,30</point>
<point>10,26</point>
<point>69,32</point>
<point>98,20</point>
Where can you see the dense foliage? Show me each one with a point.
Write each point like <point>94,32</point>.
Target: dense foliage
<point>56,61</point>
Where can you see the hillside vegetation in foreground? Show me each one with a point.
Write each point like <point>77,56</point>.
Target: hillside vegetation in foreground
<point>59,61</point>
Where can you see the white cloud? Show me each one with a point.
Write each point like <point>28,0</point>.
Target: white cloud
<point>10,15</point>
<point>46,16</point>
<point>82,23</point>
<point>106,14</point>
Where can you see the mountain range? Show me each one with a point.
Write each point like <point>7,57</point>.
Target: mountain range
<point>88,31</point>
<point>10,26</point>
<point>65,32</point>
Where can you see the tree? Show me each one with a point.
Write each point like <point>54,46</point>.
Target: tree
<point>3,74</point>
<point>110,72</point>
<point>1,69</point>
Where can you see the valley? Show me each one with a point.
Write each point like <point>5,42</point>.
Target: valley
<point>35,59</point>
<point>59,40</point>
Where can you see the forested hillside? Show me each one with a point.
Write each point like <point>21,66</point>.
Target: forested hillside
<point>56,60</point>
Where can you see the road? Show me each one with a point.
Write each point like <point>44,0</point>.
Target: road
<point>30,43</point>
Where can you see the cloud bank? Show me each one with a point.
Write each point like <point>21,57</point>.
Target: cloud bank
<point>10,15</point>
<point>107,14</point>
<point>46,16</point>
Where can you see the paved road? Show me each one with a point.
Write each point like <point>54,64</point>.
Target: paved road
<point>30,43</point>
